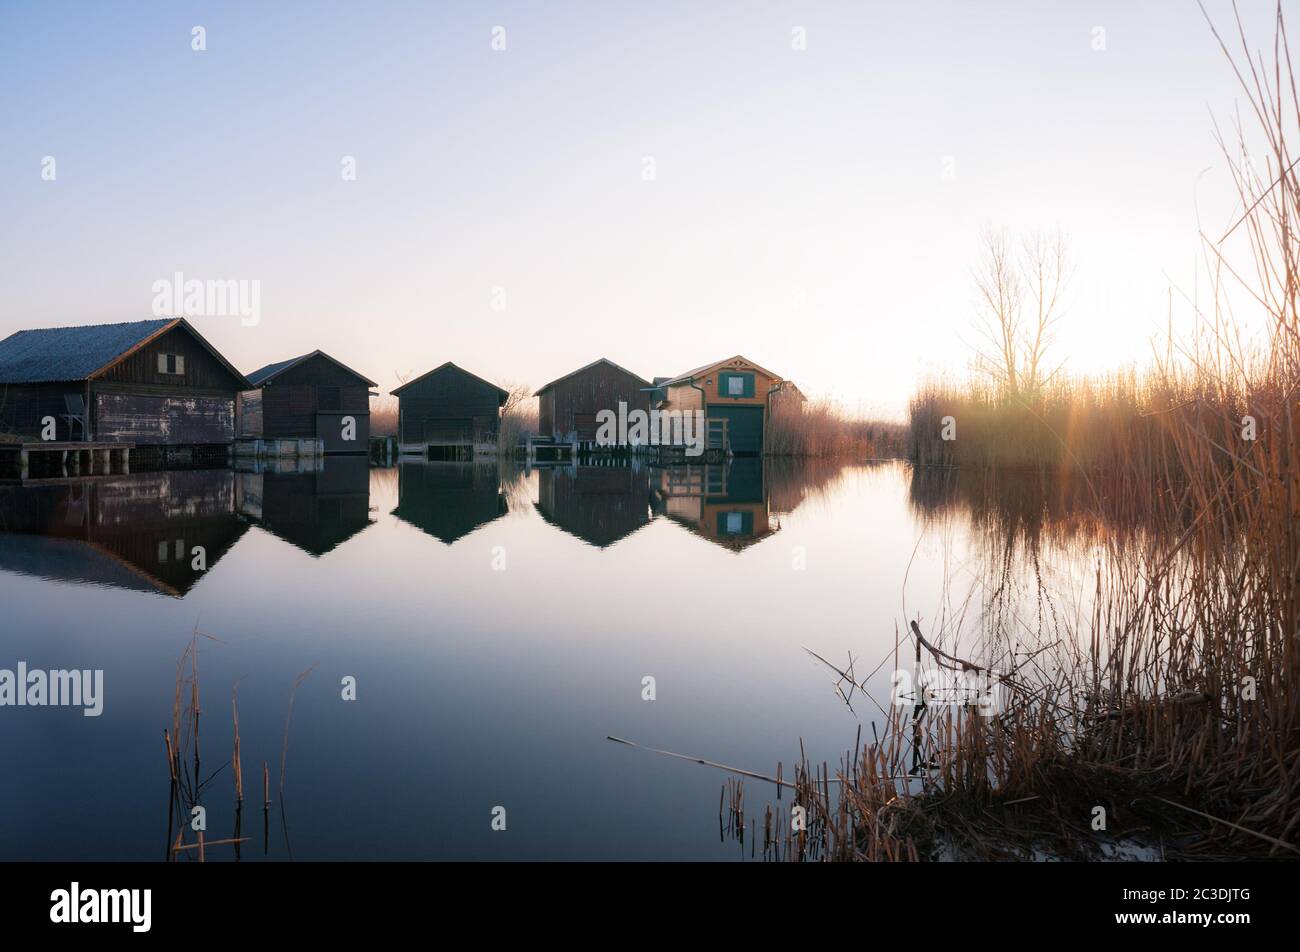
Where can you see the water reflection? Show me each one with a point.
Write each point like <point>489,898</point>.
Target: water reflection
<point>145,531</point>
<point>150,532</point>
<point>448,500</point>
<point>598,504</point>
<point>448,651</point>
<point>314,505</point>
<point>727,505</point>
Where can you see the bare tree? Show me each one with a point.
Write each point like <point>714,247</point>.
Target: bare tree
<point>1021,291</point>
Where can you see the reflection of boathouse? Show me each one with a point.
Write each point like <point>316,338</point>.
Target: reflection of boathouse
<point>316,505</point>
<point>448,500</point>
<point>141,532</point>
<point>598,504</point>
<point>724,503</point>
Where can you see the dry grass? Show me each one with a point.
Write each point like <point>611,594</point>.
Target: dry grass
<point>1172,702</point>
<point>821,428</point>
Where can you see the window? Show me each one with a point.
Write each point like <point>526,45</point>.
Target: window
<point>171,364</point>
<point>736,384</point>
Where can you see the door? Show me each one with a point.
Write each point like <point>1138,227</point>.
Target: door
<point>330,428</point>
<point>744,426</point>
<point>164,421</point>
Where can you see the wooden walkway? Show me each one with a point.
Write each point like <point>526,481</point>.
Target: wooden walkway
<point>75,458</point>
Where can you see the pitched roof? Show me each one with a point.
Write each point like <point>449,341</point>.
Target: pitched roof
<point>701,371</point>
<point>70,353</point>
<point>442,367</point>
<point>61,354</point>
<point>602,360</point>
<point>263,374</point>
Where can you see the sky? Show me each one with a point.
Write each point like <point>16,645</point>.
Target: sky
<point>661,184</point>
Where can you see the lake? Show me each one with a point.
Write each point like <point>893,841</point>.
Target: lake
<point>499,628</point>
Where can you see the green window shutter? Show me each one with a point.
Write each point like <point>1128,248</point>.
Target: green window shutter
<point>735,385</point>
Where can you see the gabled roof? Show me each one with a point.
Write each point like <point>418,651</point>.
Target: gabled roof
<point>440,368</point>
<point>602,360</point>
<point>61,354</point>
<point>701,371</point>
<point>264,374</point>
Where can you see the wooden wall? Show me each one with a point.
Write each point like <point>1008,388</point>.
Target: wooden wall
<point>570,405</point>
<point>202,370</point>
<point>449,404</point>
<point>685,397</point>
<point>292,401</point>
<point>176,420</point>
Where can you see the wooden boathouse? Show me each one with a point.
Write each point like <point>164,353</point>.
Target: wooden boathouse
<point>101,390</point>
<point>312,397</point>
<point>448,414</point>
<point>568,406</point>
<point>735,395</point>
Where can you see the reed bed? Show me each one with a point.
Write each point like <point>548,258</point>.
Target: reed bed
<point>822,428</point>
<point>1165,718</point>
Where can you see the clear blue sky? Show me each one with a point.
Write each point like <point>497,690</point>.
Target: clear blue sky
<point>799,213</point>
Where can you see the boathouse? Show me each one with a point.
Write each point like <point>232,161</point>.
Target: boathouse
<point>735,395</point>
<point>448,414</point>
<point>309,397</point>
<point>568,406</point>
<point>145,383</point>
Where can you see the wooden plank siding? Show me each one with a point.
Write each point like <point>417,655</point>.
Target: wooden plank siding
<point>568,408</point>
<point>179,420</point>
<point>309,400</point>
<point>449,405</point>
<point>203,372</point>
<point>710,391</point>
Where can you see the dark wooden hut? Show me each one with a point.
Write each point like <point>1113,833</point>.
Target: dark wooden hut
<point>449,414</point>
<point>155,382</point>
<point>309,396</point>
<point>568,407</point>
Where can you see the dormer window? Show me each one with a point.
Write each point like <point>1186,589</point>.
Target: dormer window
<point>171,364</point>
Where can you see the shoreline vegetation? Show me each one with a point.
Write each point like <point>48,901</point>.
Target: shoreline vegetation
<point>1165,722</point>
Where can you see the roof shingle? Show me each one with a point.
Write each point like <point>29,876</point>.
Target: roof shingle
<point>56,354</point>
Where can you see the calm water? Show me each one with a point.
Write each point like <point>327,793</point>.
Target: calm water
<point>498,630</point>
